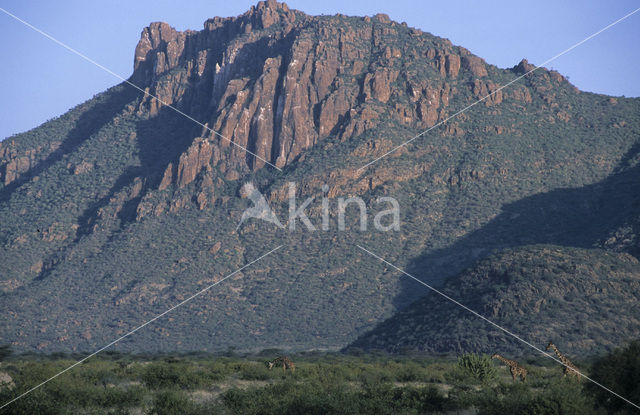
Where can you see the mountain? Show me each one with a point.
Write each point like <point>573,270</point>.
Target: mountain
<point>123,207</point>
<point>583,299</point>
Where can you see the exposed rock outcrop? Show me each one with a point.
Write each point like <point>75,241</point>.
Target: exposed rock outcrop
<point>274,81</point>
<point>15,162</point>
<point>475,65</point>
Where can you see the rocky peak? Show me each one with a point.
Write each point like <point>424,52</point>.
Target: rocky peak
<point>266,13</point>
<point>162,48</point>
<point>159,50</point>
<point>523,67</point>
<point>276,82</point>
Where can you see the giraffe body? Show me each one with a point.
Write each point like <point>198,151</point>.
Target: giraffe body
<point>569,368</point>
<point>283,361</point>
<point>514,367</point>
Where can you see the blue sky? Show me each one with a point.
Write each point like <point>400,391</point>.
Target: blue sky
<point>40,80</point>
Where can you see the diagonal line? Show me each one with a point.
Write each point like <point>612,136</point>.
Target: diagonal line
<point>69,48</point>
<point>502,87</point>
<point>141,326</point>
<point>515,336</point>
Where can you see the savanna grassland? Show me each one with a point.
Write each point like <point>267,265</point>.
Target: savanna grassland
<point>321,384</point>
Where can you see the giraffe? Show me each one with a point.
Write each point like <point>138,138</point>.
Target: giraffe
<point>514,367</point>
<point>284,361</point>
<point>569,368</point>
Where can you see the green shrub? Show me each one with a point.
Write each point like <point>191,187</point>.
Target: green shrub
<point>5,351</point>
<point>559,398</point>
<point>620,372</point>
<point>171,402</point>
<point>37,402</point>
<point>257,371</point>
<point>409,372</point>
<point>477,366</point>
<point>424,400</point>
<point>165,375</point>
<point>289,397</point>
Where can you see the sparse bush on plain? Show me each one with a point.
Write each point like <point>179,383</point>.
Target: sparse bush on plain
<point>322,384</point>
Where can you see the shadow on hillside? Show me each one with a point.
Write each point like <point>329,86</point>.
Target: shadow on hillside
<point>90,122</point>
<point>164,137</point>
<point>579,217</point>
<point>160,140</point>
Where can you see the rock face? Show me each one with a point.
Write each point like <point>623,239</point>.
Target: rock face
<point>271,83</point>
<point>275,82</point>
<point>14,162</point>
<point>158,51</point>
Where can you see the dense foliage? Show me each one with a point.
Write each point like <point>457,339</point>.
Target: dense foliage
<point>620,371</point>
<point>540,292</point>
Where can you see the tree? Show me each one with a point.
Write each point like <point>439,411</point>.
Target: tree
<point>5,351</point>
<point>620,372</point>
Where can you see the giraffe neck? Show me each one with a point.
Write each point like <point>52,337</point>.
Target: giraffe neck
<point>505,360</point>
<point>562,357</point>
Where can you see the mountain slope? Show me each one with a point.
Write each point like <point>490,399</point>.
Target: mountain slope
<point>584,299</point>
<point>117,210</point>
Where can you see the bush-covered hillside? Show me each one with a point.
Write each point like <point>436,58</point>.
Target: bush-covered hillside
<point>122,208</point>
<point>585,300</point>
